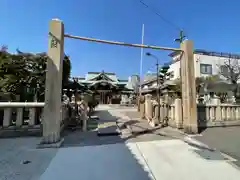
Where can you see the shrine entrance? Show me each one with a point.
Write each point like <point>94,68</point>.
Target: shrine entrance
<point>105,93</point>
<point>53,88</point>
<point>105,96</point>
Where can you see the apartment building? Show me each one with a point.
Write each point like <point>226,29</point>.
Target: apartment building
<point>206,63</point>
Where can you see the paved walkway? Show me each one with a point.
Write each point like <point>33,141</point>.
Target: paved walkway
<point>20,160</point>
<point>86,156</point>
<point>165,160</point>
<point>225,139</point>
<point>143,157</point>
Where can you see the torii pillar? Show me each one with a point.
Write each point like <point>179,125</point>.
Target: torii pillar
<point>53,85</point>
<point>189,105</point>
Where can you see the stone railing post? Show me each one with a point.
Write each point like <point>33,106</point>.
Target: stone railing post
<point>218,112</point>
<point>142,106</point>
<point>7,117</point>
<point>178,113</point>
<point>32,116</point>
<point>161,111</point>
<point>19,120</point>
<point>53,87</point>
<point>84,116</point>
<point>148,107</point>
<point>156,113</point>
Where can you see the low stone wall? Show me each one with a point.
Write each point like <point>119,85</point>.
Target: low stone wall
<point>18,118</point>
<point>25,119</point>
<point>161,113</point>
<point>209,115</point>
<point>212,115</point>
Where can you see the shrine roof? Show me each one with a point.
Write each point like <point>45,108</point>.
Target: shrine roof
<point>107,75</point>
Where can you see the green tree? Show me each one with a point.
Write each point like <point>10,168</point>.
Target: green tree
<point>201,83</point>
<point>66,70</point>
<point>24,74</point>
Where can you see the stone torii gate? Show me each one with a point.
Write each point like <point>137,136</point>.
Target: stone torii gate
<point>53,91</point>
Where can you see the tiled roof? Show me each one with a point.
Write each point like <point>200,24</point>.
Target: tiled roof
<point>122,80</point>
<point>93,75</point>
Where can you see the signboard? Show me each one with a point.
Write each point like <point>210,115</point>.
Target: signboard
<point>54,43</point>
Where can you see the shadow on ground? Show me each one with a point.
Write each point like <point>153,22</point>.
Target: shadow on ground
<point>210,155</point>
<point>121,161</point>
<point>78,138</point>
<point>225,139</point>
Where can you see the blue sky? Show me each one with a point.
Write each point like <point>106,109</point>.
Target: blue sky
<point>213,25</point>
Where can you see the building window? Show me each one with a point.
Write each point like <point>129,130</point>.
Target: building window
<point>206,68</point>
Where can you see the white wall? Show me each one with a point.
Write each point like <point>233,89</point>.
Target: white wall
<point>175,68</point>
<point>215,61</point>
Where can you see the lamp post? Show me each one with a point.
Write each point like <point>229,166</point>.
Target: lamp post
<point>158,89</point>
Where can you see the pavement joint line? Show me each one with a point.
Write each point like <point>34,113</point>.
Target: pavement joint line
<point>145,160</point>
<point>189,139</point>
<point>230,158</point>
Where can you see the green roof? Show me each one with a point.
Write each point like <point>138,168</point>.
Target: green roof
<point>90,78</point>
<point>93,75</point>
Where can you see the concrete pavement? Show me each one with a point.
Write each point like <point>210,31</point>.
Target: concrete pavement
<point>86,156</point>
<point>20,160</point>
<point>165,160</point>
<point>225,139</point>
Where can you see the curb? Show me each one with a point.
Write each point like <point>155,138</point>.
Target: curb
<point>52,145</point>
<point>109,134</point>
<point>143,131</point>
<point>193,142</point>
<point>187,138</point>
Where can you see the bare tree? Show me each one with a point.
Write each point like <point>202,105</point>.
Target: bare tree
<point>230,70</point>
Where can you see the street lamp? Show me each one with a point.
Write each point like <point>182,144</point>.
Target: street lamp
<point>157,65</point>
<point>158,89</point>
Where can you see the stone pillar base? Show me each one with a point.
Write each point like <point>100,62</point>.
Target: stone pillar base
<point>152,123</point>
<point>172,123</point>
<point>57,144</point>
<point>84,128</point>
<point>179,125</point>
<point>51,141</point>
<point>190,129</point>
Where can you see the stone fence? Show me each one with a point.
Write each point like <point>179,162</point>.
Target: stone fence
<point>25,118</point>
<point>18,118</point>
<point>209,115</point>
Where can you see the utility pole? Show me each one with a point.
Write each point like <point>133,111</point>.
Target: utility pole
<point>141,62</point>
<point>158,83</point>
<point>181,37</point>
<point>158,89</point>
<point>158,94</point>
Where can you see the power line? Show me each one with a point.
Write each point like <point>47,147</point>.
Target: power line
<point>155,11</point>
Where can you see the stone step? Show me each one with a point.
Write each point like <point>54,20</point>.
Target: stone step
<point>94,117</point>
<point>108,133</point>
<point>141,127</point>
<point>108,129</point>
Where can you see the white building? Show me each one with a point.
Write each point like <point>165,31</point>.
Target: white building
<point>206,63</point>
